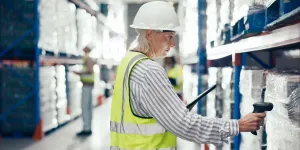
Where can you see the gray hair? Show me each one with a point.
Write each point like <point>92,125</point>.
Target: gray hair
<point>140,43</point>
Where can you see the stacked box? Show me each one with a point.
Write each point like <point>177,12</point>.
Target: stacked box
<point>283,122</point>
<point>14,91</point>
<point>48,98</point>
<point>251,84</point>
<point>61,91</point>
<point>74,94</point>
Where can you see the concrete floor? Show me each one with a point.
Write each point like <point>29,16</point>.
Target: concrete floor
<point>65,137</point>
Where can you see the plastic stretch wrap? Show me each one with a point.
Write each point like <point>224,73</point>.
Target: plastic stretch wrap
<point>74,91</point>
<point>61,103</point>
<point>245,7</point>
<point>211,97</point>
<point>225,12</point>
<point>48,97</point>
<point>227,96</point>
<point>251,84</point>
<point>86,29</point>
<point>214,97</point>
<point>67,33</point>
<point>283,122</point>
<point>211,22</point>
<point>58,32</point>
<point>48,23</point>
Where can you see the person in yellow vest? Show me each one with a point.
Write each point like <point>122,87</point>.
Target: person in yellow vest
<point>174,72</point>
<point>146,113</point>
<point>87,79</point>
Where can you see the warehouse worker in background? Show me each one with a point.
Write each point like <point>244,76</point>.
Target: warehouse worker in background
<point>146,112</point>
<point>87,79</point>
<point>174,72</point>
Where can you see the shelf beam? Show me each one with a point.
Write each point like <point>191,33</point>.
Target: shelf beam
<point>50,60</point>
<point>284,36</point>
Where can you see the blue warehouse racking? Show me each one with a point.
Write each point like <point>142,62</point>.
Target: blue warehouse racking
<point>21,62</point>
<point>281,33</point>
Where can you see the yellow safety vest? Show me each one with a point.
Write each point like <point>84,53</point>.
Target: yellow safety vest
<point>87,77</point>
<point>176,73</point>
<point>128,131</point>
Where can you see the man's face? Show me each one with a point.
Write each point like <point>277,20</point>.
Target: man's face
<point>161,42</point>
<point>86,50</point>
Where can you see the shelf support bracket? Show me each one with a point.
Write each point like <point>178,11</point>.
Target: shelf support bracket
<point>259,61</point>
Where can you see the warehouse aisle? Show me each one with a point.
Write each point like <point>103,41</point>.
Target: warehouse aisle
<point>65,137</point>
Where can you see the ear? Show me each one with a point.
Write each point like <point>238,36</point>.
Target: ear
<point>149,34</point>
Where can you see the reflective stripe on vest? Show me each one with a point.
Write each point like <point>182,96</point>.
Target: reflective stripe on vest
<point>142,129</point>
<point>129,132</point>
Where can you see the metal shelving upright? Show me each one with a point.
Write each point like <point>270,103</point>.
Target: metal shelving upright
<point>36,59</point>
<point>268,41</point>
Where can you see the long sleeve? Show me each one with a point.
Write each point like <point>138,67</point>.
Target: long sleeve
<point>153,96</point>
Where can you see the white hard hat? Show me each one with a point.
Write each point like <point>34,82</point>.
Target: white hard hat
<point>90,46</point>
<point>156,15</point>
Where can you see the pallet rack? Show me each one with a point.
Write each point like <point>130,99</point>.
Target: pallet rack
<point>283,32</point>
<point>37,58</point>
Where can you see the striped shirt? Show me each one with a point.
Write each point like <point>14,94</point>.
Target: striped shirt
<point>152,95</point>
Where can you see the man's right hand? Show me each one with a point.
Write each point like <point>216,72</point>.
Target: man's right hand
<point>251,122</point>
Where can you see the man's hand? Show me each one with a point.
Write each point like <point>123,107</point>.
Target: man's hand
<point>251,122</point>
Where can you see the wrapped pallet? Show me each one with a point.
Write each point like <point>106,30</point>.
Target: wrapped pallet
<point>74,94</point>
<point>251,84</point>
<point>211,22</point>
<point>61,103</point>
<point>283,122</point>
<point>227,74</point>
<point>87,32</point>
<point>245,7</point>
<point>48,23</point>
<point>66,27</point>
<point>213,98</point>
<point>58,31</point>
<point>48,97</point>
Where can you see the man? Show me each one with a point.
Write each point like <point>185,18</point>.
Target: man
<point>87,79</point>
<point>146,112</point>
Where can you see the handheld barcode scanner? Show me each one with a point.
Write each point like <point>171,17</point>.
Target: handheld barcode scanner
<point>261,106</point>
<point>193,103</point>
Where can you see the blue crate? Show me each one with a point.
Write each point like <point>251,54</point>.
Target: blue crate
<point>225,35</point>
<point>241,26</point>
<point>287,6</point>
<point>237,29</point>
<point>272,12</point>
<point>254,23</point>
<point>249,25</point>
<point>234,31</point>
